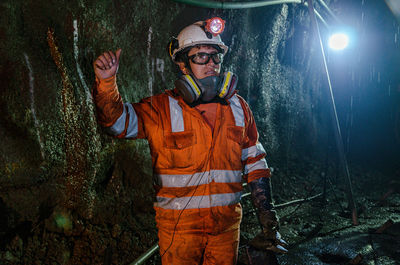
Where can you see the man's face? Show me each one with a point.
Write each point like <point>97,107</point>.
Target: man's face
<point>201,71</point>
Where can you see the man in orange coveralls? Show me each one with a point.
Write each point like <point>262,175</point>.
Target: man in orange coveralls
<point>203,141</point>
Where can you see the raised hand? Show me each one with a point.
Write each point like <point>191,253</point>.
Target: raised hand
<point>106,65</point>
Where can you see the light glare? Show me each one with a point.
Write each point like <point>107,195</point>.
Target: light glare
<point>338,41</point>
<point>215,26</point>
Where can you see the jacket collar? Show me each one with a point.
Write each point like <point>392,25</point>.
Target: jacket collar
<point>175,94</point>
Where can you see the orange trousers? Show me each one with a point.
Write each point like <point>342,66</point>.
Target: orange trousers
<point>196,247</point>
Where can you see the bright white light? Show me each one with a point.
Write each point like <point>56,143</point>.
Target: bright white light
<point>216,26</point>
<point>338,41</point>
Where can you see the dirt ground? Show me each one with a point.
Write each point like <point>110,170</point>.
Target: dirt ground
<point>321,231</point>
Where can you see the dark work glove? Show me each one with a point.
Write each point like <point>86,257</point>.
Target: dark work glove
<point>269,238</point>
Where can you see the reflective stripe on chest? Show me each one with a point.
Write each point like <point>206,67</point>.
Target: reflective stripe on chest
<point>176,114</point>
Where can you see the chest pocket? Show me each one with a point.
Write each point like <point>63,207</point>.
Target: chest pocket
<point>235,138</point>
<point>236,134</point>
<point>179,148</point>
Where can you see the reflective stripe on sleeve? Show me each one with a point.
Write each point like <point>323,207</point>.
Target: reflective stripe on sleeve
<point>176,115</point>
<point>196,202</point>
<point>260,164</point>
<point>200,178</point>
<point>132,130</point>
<point>119,126</point>
<point>237,111</point>
<point>253,151</point>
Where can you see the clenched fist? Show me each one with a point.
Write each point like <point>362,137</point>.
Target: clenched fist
<point>106,65</point>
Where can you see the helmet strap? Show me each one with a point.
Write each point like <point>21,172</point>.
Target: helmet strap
<point>187,63</point>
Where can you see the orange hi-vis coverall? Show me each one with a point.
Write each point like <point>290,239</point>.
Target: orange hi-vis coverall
<point>198,170</point>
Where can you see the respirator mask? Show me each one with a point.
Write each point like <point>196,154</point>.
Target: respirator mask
<point>206,89</point>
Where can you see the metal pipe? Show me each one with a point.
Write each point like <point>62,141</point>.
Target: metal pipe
<point>324,5</point>
<point>236,5</point>
<point>241,5</point>
<point>319,16</point>
<point>335,120</point>
<point>145,255</point>
<point>283,205</point>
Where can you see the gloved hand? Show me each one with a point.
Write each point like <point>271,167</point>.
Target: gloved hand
<point>269,238</point>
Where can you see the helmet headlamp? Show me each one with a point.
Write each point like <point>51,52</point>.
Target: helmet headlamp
<point>215,25</point>
<point>199,33</point>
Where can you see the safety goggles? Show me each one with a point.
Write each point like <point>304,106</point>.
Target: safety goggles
<point>204,58</point>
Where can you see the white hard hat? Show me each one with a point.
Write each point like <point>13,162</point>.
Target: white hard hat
<point>193,35</point>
